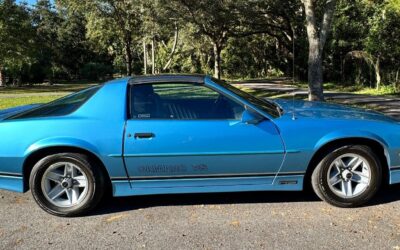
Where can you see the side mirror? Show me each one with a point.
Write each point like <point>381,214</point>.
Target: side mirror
<point>249,117</point>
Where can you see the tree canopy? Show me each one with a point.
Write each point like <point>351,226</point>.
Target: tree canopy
<point>73,39</point>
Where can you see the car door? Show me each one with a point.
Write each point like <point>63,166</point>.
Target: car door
<point>187,131</point>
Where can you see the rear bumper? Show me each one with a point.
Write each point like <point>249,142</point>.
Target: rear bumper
<point>11,182</point>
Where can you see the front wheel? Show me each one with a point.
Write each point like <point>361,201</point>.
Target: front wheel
<point>66,184</point>
<point>348,176</point>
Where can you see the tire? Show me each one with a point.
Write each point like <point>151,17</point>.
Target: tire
<point>66,184</point>
<point>347,193</point>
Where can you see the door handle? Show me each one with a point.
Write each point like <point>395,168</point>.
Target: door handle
<point>144,135</point>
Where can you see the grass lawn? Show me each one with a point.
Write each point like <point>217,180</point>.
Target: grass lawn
<point>40,88</point>
<point>39,93</point>
<point>19,101</point>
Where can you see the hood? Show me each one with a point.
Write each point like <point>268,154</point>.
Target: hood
<point>4,113</point>
<point>330,111</point>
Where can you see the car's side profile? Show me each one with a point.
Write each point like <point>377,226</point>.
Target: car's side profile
<point>189,134</point>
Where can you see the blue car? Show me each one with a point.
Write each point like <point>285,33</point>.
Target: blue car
<point>191,134</point>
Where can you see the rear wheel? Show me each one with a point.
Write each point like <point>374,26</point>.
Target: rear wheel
<point>66,184</point>
<point>348,176</point>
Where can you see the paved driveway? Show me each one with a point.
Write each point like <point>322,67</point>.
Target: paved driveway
<point>260,220</point>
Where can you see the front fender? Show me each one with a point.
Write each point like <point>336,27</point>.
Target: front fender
<point>355,134</point>
<point>348,133</point>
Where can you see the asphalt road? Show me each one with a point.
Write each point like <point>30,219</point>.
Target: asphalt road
<point>260,220</point>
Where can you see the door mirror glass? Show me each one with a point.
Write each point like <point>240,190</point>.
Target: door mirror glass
<point>249,117</point>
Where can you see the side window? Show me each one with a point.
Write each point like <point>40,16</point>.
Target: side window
<point>181,102</point>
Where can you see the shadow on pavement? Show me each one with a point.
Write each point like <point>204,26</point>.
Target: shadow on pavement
<point>121,204</point>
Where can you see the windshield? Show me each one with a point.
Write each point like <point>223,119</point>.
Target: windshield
<point>268,106</point>
<point>63,106</point>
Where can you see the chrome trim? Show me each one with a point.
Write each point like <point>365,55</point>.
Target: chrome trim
<point>9,174</point>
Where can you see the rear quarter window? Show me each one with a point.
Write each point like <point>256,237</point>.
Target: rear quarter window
<point>63,106</point>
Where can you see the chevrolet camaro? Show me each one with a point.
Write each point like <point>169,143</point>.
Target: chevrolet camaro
<point>191,134</point>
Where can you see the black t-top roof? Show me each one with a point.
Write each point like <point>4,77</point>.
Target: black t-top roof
<point>167,79</point>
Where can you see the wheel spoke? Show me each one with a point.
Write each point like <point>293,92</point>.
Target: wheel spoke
<point>75,194</point>
<point>338,165</point>
<point>56,192</point>
<point>54,177</point>
<point>69,195</point>
<point>361,174</point>
<point>342,163</point>
<point>74,172</point>
<point>347,188</point>
<point>343,188</point>
<point>67,170</point>
<point>335,179</point>
<point>356,164</point>
<point>82,182</point>
<point>359,179</point>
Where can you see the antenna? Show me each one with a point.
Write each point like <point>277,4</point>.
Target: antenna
<point>293,76</point>
<point>293,109</point>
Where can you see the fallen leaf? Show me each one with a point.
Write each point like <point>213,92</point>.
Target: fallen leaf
<point>235,223</point>
<point>115,217</point>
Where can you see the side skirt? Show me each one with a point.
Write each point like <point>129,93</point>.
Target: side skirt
<point>207,185</point>
<point>11,182</point>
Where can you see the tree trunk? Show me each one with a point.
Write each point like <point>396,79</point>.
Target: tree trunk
<point>153,64</point>
<point>1,77</point>
<point>316,39</point>
<point>128,58</point>
<point>217,61</point>
<point>377,72</point>
<point>144,56</point>
<point>315,79</point>
<point>173,49</point>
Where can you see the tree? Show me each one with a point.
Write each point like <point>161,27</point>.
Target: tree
<point>46,22</point>
<point>317,33</point>
<point>75,56</point>
<point>112,25</point>
<point>16,38</point>
<point>217,20</point>
<point>380,43</point>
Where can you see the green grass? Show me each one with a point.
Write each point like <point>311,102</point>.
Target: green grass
<point>41,88</point>
<point>383,90</point>
<point>19,101</point>
<point>39,93</point>
<point>356,89</point>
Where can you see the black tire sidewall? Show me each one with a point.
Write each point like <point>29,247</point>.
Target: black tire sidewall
<point>375,182</point>
<point>37,174</point>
